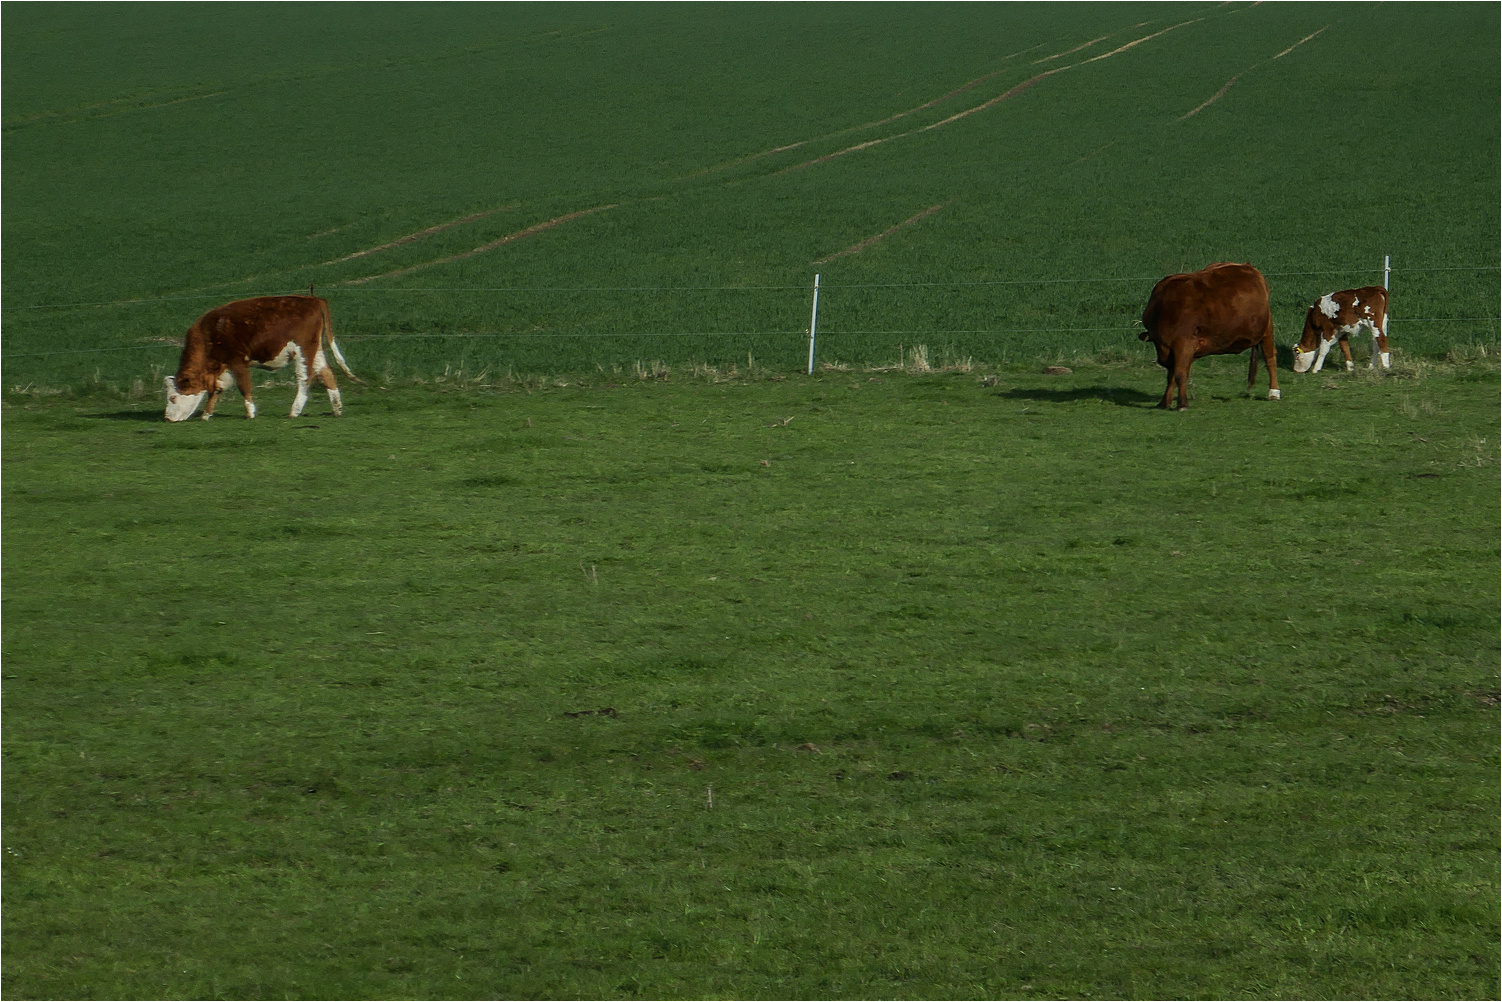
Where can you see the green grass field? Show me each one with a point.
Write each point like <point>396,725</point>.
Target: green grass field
<point>1107,701</point>
<point>919,686</point>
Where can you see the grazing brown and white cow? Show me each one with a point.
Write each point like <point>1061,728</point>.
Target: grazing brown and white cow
<point>1335,318</point>
<point>1222,310</point>
<point>268,332</point>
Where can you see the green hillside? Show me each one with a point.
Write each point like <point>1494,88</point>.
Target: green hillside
<point>163,159</point>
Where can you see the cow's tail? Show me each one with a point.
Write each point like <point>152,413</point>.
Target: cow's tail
<point>328,332</point>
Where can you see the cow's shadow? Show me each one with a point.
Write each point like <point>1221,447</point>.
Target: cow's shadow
<point>1121,396</point>
<point>129,416</point>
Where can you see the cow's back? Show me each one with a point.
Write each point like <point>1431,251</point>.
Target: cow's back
<point>1225,294</point>
<point>260,328</point>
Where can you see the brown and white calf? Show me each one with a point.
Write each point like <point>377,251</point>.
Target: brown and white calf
<point>1220,310</point>
<point>269,332</point>
<point>1335,318</point>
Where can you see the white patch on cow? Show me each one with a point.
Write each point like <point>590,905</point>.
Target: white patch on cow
<point>336,402</point>
<point>250,409</point>
<point>1356,302</point>
<point>180,406</point>
<point>301,365</point>
<point>1350,366</point>
<point>1386,360</point>
<point>1384,325</point>
<point>226,379</point>
<point>1274,395</point>
<point>1328,306</point>
<point>319,363</point>
<point>1324,349</point>
<point>282,357</point>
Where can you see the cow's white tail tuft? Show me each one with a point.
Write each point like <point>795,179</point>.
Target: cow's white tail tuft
<point>328,331</point>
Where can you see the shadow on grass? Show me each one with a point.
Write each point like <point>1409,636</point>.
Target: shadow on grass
<point>1118,395</point>
<point>129,416</point>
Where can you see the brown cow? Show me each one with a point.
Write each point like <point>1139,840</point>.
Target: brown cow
<point>267,332</point>
<point>1222,310</point>
<point>1335,318</point>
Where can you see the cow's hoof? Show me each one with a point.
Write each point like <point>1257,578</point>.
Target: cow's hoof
<point>205,417</point>
<point>1274,395</point>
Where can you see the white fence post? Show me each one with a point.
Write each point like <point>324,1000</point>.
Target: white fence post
<point>1386,269</point>
<point>813,326</point>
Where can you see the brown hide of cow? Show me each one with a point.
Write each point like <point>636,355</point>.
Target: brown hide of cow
<point>1353,308</point>
<point>1222,310</point>
<point>267,332</point>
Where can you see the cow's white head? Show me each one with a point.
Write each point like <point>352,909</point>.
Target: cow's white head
<point>180,404</point>
<point>1304,347</point>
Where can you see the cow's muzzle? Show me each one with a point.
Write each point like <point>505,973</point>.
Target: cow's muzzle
<point>180,406</point>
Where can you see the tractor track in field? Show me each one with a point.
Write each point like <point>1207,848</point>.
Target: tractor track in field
<point>856,128</point>
<point>1217,95</point>
<point>869,241</point>
<point>1221,93</point>
<point>1007,95</point>
<point>99,110</point>
<point>420,234</point>
<point>1300,42</point>
<point>492,245</point>
<point>1077,48</point>
<point>969,85</point>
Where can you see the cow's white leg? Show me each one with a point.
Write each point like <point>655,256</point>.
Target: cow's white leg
<point>250,408</point>
<point>323,372</point>
<point>300,365</point>
<point>1324,349</point>
<point>1377,346</point>
<point>1379,339</point>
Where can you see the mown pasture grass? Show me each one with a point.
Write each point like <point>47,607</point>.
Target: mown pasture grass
<point>937,689</point>
<point>223,153</point>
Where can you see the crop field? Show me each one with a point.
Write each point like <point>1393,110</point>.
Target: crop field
<point>546,189</point>
<point>598,651</point>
